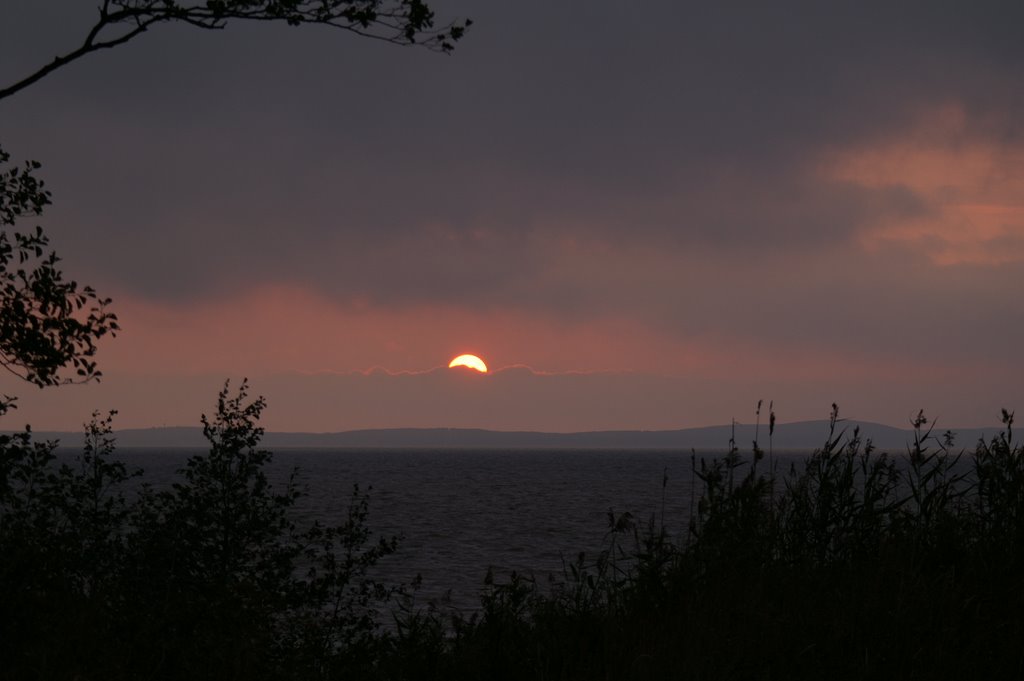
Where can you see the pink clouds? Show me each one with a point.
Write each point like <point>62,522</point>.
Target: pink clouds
<point>329,367</point>
<point>971,183</point>
<point>721,205</point>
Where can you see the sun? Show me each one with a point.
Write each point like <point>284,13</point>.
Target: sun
<point>471,361</point>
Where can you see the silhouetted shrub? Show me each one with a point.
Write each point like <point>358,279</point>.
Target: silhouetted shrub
<point>855,565</point>
<point>211,578</point>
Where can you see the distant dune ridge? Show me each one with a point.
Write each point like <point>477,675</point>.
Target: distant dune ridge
<point>788,436</point>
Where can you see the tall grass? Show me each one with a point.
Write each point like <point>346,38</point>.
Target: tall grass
<point>856,565</point>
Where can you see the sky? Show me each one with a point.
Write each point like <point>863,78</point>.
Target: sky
<point>641,216</point>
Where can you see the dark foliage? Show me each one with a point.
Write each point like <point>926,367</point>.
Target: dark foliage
<point>48,326</point>
<point>210,579</point>
<point>855,565</point>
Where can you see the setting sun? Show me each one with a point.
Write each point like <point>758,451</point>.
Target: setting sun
<point>471,361</point>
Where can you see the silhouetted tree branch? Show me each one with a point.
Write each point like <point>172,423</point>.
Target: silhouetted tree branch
<point>402,22</point>
<point>48,324</point>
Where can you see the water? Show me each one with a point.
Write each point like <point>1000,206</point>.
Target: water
<point>460,512</point>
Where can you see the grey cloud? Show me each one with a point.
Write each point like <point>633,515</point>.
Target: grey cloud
<point>188,160</point>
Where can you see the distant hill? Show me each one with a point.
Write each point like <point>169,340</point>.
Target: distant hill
<point>799,435</point>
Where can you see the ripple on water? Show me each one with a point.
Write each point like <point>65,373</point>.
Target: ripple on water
<point>459,512</point>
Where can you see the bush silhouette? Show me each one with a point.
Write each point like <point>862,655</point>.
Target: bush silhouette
<point>211,578</point>
<point>855,564</point>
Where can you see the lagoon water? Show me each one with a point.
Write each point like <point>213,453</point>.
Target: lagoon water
<point>460,512</point>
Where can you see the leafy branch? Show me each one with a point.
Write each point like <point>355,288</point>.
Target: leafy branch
<point>401,22</point>
<point>48,324</point>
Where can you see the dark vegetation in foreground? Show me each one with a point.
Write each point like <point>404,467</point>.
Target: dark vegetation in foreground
<point>860,565</point>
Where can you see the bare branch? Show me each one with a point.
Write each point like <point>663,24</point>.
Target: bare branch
<point>90,45</point>
<point>400,22</point>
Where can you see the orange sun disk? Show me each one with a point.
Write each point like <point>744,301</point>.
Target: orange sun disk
<point>471,361</point>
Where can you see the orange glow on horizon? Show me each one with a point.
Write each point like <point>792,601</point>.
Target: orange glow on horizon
<point>471,361</point>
